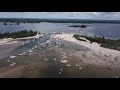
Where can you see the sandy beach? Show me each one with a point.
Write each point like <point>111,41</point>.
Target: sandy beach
<point>13,41</point>
<point>95,47</point>
<point>62,56</point>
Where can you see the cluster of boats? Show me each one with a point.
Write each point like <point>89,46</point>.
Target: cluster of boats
<point>9,23</point>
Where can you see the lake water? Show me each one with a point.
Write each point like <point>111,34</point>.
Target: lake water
<point>107,30</point>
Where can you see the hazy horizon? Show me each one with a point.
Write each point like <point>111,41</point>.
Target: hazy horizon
<point>63,15</point>
<point>61,19</point>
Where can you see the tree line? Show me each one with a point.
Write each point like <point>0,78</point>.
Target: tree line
<point>107,43</point>
<point>18,34</point>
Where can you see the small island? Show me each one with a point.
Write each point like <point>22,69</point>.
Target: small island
<point>18,34</point>
<point>107,43</point>
<point>79,26</point>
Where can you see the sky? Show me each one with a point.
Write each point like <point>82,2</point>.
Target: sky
<point>62,15</point>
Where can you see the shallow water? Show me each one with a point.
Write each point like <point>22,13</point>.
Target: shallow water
<point>56,60</point>
<point>20,47</point>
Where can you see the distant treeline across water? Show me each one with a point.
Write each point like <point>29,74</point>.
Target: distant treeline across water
<point>35,20</point>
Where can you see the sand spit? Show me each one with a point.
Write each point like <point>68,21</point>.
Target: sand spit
<point>96,56</point>
<point>13,41</point>
<point>93,46</point>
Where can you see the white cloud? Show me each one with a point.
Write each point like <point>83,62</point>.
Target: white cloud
<point>74,15</point>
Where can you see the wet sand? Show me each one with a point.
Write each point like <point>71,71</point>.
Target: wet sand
<point>60,58</point>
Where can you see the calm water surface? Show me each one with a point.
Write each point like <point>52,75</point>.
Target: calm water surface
<point>107,30</point>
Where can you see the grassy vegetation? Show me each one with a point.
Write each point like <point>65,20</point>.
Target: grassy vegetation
<point>107,43</point>
<point>78,37</point>
<point>18,34</point>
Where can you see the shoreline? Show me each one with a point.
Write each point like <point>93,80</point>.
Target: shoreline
<point>12,41</point>
<point>93,46</point>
